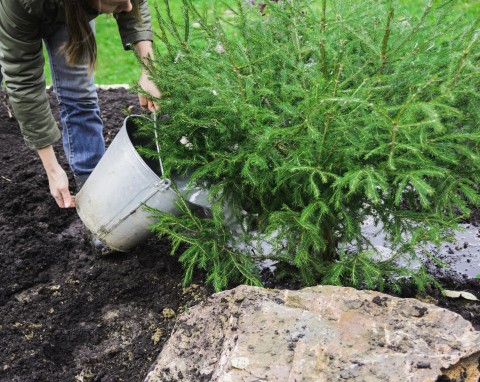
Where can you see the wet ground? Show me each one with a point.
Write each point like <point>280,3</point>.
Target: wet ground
<point>461,256</point>
<point>66,315</point>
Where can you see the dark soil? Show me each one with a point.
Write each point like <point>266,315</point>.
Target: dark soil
<point>67,315</point>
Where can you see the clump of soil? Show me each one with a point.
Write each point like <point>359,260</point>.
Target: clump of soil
<point>67,315</point>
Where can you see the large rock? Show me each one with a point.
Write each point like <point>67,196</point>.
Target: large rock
<point>323,333</point>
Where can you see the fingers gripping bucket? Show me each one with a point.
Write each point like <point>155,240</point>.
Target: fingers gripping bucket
<point>111,202</point>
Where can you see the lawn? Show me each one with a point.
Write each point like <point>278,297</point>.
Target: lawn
<point>116,66</point>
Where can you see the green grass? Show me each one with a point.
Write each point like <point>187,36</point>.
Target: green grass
<point>117,66</point>
<point>114,64</point>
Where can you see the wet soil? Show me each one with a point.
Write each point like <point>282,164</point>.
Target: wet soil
<point>68,315</point>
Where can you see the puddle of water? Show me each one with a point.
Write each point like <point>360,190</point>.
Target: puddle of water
<point>462,256</point>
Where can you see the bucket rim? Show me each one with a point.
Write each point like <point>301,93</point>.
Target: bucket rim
<point>132,146</point>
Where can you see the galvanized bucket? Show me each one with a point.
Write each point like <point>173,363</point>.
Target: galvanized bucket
<point>111,202</point>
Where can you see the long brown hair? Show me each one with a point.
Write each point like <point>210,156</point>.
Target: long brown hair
<point>81,47</point>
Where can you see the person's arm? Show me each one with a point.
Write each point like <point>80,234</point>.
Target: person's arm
<point>22,61</point>
<point>137,34</point>
<point>133,29</point>
<point>145,51</point>
<point>57,178</point>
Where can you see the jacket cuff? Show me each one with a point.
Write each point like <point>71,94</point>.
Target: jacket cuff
<point>52,137</point>
<point>131,39</point>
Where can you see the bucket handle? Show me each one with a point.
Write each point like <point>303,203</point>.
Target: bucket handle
<point>165,181</point>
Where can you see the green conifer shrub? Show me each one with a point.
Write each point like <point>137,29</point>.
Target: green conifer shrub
<point>311,116</point>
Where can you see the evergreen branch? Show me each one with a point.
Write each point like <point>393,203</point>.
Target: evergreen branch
<point>240,83</point>
<point>296,39</point>
<point>470,192</point>
<point>322,39</point>
<point>402,185</point>
<point>305,134</point>
<point>324,175</point>
<point>172,24</point>
<point>466,52</point>
<point>397,118</point>
<point>423,190</point>
<point>414,31</point>
<point>186,21</point>
<point>243,27</point>
<point>163,36</point>
<point>383,55</point>
<point>329,115</point>
<point>364,41</point>
<point>201,19</point>
<point>260,59</point>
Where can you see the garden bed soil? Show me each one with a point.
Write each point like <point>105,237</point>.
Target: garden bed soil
<point>68,315</point>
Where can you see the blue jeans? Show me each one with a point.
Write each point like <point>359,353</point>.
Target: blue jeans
<point>76,93</point>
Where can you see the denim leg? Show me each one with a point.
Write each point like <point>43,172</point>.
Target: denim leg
<point>76,93</point>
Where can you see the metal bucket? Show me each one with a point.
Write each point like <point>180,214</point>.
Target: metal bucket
<point>111,202</point>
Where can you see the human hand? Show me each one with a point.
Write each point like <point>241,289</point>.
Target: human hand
<point>58,183</point>
<point>148,86</point>
<point>57,178</point>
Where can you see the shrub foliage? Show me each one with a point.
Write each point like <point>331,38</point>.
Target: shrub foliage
<point>309,117</point>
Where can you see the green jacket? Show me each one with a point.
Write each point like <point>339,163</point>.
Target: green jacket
<point>23,24</point>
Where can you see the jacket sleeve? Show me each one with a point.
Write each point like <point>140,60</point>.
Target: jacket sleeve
<point>133,30</point>
<point>22,61</point>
